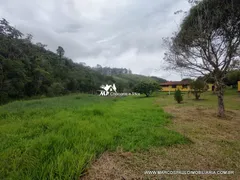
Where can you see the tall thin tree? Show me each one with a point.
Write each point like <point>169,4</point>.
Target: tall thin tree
<point>60,51</point>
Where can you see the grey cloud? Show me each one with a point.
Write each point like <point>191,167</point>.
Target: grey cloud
<point>108,32</point>
<point>70,28</point>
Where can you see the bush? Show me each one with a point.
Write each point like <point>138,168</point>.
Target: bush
<point>178,96</point>
<point>198,87</point>
<point>147,88</point>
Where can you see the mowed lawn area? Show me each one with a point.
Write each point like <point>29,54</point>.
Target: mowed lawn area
<point>58,138</point>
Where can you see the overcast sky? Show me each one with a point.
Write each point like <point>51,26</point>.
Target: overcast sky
<point>115,33</point>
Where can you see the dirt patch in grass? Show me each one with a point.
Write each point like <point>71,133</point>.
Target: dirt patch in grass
<point>216,146</point>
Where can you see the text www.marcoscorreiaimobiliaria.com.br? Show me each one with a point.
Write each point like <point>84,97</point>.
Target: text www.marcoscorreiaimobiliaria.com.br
<point>189,172</point>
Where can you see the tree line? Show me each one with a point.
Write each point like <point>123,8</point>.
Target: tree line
<point>28,69</point>
<point>111,71</point>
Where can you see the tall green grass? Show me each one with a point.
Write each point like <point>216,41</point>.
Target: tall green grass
<point>56,138</point>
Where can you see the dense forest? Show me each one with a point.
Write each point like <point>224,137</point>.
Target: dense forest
<point>30,70</point>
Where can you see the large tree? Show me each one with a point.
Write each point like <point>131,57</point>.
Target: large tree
<point>208,43</point>
<point>7,30</point>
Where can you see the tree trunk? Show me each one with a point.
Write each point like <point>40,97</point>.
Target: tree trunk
<point>221,108</point>
<point>197,96</point>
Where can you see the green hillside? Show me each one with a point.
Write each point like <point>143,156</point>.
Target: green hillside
<point>30,70</point>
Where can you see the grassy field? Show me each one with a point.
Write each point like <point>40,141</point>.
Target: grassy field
<point>215,143</point>
<point>207,99</point>
<point>57,138</point>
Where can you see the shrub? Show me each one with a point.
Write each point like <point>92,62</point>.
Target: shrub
<point>198,87</point>
<point>178,96</point>
<point>147,88</point>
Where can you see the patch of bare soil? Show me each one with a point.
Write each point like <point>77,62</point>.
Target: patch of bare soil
<point>216,146</point>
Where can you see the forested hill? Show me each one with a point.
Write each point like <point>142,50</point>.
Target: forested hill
<point>28,69</point>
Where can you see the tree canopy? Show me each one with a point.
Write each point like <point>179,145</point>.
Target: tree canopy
<point>208,43</point>
<point>147,88</point>
<point>60,51</point>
